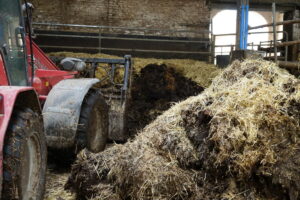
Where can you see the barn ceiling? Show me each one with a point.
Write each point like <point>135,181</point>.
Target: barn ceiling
<point>257,4</point>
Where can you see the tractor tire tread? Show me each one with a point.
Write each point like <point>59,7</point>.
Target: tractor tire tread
<point>92,99</point>
<point>21,119</point>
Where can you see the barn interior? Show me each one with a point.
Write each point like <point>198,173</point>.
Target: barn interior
<point>203,97</point>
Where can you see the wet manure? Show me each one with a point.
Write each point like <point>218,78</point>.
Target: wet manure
<point>153,91</point>
<point>239,139</point>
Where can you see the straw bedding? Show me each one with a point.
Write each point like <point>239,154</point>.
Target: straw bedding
<point>55,186</point>
<point>239,139</point>
<point>200,72</point>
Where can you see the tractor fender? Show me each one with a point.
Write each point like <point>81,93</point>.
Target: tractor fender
<point>61,111</point>
<point>10,97</point>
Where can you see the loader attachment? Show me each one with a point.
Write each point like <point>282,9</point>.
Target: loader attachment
<point>114,83</point>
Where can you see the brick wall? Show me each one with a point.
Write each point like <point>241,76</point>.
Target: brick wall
<point>163,14</point>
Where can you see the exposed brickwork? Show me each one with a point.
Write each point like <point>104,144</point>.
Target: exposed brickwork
<point>166,14</point>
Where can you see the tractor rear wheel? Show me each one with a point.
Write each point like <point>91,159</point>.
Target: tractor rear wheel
<point>92,131</point>
<point>25,157</point>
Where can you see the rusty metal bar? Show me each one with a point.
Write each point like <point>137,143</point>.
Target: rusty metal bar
<point>250,33</point>
<point>289,65</point>
<point>289,43</point>
<point>274,30</point>
<point>100,40</point>
<point>294,21</point>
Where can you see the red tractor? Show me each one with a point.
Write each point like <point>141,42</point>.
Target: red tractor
<point>42,105</point>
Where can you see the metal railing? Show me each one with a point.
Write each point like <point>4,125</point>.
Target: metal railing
<point>266,44</point>
<point>276,44</point>
<point>195,43</point>
<point>53,25</point>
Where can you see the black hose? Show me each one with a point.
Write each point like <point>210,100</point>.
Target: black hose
<point>30,42</point>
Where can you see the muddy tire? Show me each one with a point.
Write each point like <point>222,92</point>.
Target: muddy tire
<point>92,131</point>
<point>25,157</point>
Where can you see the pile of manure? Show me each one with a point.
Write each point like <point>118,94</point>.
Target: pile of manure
<point>239,139</point>
<point>198,71</point>
<point>156,84</point>
<point>153,91</point>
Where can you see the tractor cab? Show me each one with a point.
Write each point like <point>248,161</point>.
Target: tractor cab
<point>12,42</point>
<point>23,149</point>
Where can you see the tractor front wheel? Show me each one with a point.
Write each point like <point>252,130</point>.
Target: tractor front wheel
<point>25,155</point>
<point>92,131</point>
